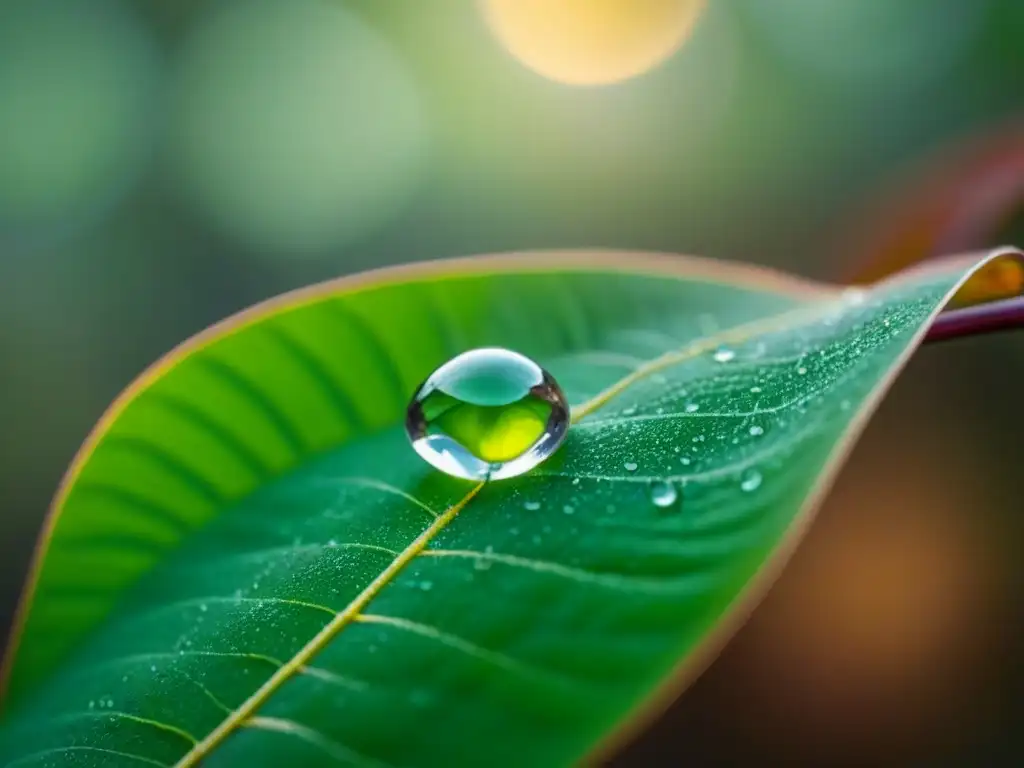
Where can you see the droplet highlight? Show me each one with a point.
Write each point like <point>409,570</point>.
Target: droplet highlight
<point>724,355</point>
<point>750,481</point>
<point>487,414</point>
<point>663,494</point>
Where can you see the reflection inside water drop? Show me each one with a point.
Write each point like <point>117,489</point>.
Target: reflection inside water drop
<point>724,355</point>
<point>487,414</point>
<point>750,481</point>
<point>663,494</point>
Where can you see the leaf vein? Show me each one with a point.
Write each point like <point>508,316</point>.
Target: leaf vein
<point>339,753</point>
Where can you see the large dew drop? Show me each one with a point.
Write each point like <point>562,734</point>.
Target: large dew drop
<point>487,414</point>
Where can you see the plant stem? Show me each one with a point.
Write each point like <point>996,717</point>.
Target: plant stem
<point>992,316</point>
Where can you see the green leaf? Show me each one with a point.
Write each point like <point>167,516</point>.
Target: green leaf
<point>247,563</point>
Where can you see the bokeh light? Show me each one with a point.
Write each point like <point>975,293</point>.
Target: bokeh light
<point>884,46</point>
<point>591,42</point>
<point>297,128</point>
<point>878,629</point>
<point>77,88</point>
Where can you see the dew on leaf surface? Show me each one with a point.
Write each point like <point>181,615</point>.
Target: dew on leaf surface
<point>663,494</point>
<point>487,414</point>
<point>750,481</point>
<point>724,355</point>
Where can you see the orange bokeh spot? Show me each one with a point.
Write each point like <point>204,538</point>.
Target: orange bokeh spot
<point>591,42</point>
<point>999,279</point>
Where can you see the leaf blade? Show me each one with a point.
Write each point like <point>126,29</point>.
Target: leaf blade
<point>542,661</point>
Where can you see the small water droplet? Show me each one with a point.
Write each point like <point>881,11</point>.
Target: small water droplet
<point>203,607</point>
<point>629,411</point>
<point>692,408</point>
<point>487,414</point>
<point>630,466</point>
<point>724,355</point>
<point>426,586</point>
<point>531,506</point>
<point>755,389</point>
<point>484,563</point>
<point>801,371</point>
<point>756,430</point>
<point>575,481</point>
<point>152,667</point>
<point>568,509</point>
<point>750,481</point>
<point>663,494</point>
<point>684,460</point>
<point>844,405</point>
<point>854,296</point>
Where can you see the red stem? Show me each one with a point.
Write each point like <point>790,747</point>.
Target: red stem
<point>992,316</point>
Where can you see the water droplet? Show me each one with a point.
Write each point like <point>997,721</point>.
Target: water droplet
<point>854,296</point>
<point>152,667</point>
<point>487,414</point>
<point>203,607</point>
<point>531,506</point>
<point>756,430</point>
<point>629,411</point>
<point>755,389</point>
<point>568,509</point>
<point>724,355</point>
<point>844,405</point>
<point>684,460</point>
<point>692,407</point>
<point>630,466</point>
<point>426,586</point>
<point>801,370</point>
<point>484,563</point>
<point>575,481</point>
<point>750,481</point>
<point>663,494</point>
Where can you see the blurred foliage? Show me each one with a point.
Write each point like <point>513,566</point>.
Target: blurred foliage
<point>164,163</point>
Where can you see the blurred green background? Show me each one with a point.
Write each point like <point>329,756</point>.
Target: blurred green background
<point>164,163</point>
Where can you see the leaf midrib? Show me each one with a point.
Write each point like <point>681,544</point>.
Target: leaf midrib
<point>246,710</point>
